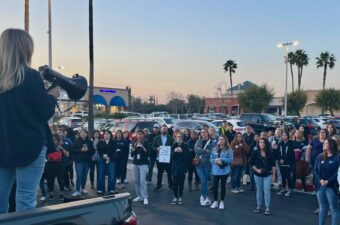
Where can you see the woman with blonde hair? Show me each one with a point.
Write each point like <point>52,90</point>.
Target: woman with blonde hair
<point>25,109</point>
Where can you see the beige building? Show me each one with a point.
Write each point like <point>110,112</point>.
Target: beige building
<point>311,108</point>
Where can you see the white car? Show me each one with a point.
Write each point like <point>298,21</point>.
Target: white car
<point>168,121</point>
<point>72,122</point>
<point>238,125</point>
<point>80,114</point>
<point>321,122</point>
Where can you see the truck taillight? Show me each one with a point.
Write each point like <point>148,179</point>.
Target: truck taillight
<point>132,220</point>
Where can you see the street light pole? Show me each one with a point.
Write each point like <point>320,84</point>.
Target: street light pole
<point>285,46</point>
<point>49,34</point>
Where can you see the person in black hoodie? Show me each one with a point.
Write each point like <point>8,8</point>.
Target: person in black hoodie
<point>26,107</point>
<point>122,155</point>
<point>107,154</point>
<point>254,146</point>
<point>179,167</point>
<point>191,155</point>
<point>82,151</point>
<point>140,153</point>
<point>286,159</point>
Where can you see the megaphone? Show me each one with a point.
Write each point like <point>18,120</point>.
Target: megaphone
<point>75,87</point>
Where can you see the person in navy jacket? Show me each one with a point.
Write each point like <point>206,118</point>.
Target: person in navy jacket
<point>326,186</point>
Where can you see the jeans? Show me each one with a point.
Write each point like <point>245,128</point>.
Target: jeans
<point>141,187</point>
<point>252,179</point>
<point>109,169</point>
<point>152,162</point>
<point>42,185</point>
<point>93,166</point>
<point>27,179</point>
<point>217,179</point>
<point>263,185</point>
<point>203,174</point>
<point>277,172</point>
<point>82,169</point>
<point>327,196</point>
<point>236,175</point>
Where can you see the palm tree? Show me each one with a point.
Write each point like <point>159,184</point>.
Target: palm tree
<point>325,60</point>
<point>90,118</point>
<point>27,15</point>
<point>301,60</point>
<point>291,60</point>
<point>230,66</point>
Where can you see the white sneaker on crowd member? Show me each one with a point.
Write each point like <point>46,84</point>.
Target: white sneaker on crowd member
<point>99,192</point>
<point>288,193</point>
<point>138,199</point>
<point>206,202</point>
<point>180,201</point>
<point>240,190</point>
<point>234,191</point>
<point>76,194</point>
<point>146,201</point>
<point>174,201</point>
<point>43,198</point>
<point>118,181</point>
<point>68,189</point>
<point>202,199</point>
<point>84,192</point>
<point>281,192</point>
<point>221,205</point>
<point>214,205</point>
<point>111,192</point>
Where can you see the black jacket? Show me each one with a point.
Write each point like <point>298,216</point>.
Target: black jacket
<point>122,149</point>
<point>286,153</point>
<point>150,142</point>
<point>191,150</point>
<point>80,156</point>
<point>24,112</point>
<point>139,154</point>
<point>179,160</point>
<point>107,148</point>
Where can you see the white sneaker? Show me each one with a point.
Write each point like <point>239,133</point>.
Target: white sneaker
<point>84,192</point>
<point>206,202</point>
<point>221,205</point>
<point>202,199</point>
<point>146,201</point>
<point>138,199</point>
<point>288,193</point>
<point>43,198</point>
<point>118,182</point>
<point>214,205</point>
<point>76,194</point>
<point>240,190</point>
<point>234,191</point>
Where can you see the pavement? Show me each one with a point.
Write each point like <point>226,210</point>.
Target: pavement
<point>239,208</point>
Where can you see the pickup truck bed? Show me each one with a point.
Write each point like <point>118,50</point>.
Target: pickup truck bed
<point>110,210</point>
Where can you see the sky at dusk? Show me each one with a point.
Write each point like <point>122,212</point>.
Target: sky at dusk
<point>158,46</point>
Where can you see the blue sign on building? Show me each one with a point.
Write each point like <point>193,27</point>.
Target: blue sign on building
<point>107,91</point>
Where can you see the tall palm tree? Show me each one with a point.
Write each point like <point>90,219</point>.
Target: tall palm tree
<point>27,15</point>
<point>325,60</point>
<point>90,119</point>
<point>291,60</point>
<point>230,66</point>
<point>301,60</point>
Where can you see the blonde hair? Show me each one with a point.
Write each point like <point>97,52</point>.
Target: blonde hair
<point>16,50</point>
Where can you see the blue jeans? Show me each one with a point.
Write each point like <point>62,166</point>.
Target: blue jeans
<point>82,169</point>
<point>109,169</point>
<point>236,175</point>
<point>27,179</point>
<point>203,174</point>
<point>263,185</point>
<point>326,196</point>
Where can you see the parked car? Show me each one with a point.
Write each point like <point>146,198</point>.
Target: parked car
<point>320,121</point>
<point>238,125</point>
<point>168,121</point>
<point>72,122</point>
<point>259,121</point>
<point>159,114</point>
<point>204,117</point>
<point>113,209</point>
<point>187,124</point>
<point>80,114</point>
<point>179,116</point>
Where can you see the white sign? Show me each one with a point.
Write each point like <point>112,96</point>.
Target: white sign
<point>164,154</point>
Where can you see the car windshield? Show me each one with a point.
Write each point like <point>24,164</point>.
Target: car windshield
<point>76,121</point>
<point>240,124</point>
<point>147,125</point>
<point>169,120</point>
<point>268,118</point>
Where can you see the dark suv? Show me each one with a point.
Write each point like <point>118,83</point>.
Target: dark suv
<point>259,121</point>
<point>133,126</point>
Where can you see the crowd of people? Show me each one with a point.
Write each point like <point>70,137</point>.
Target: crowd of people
<point>274,158</point>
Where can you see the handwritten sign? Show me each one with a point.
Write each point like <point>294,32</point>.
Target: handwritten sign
<point>164,154</point>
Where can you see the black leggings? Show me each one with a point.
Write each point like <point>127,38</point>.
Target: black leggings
<point>93,166</point>
<point>68,174</point>
<point>178,186</point>
<point>121,165</point>
<point>191,171</point>
<point>286,174</point>
<point>217,179</point>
